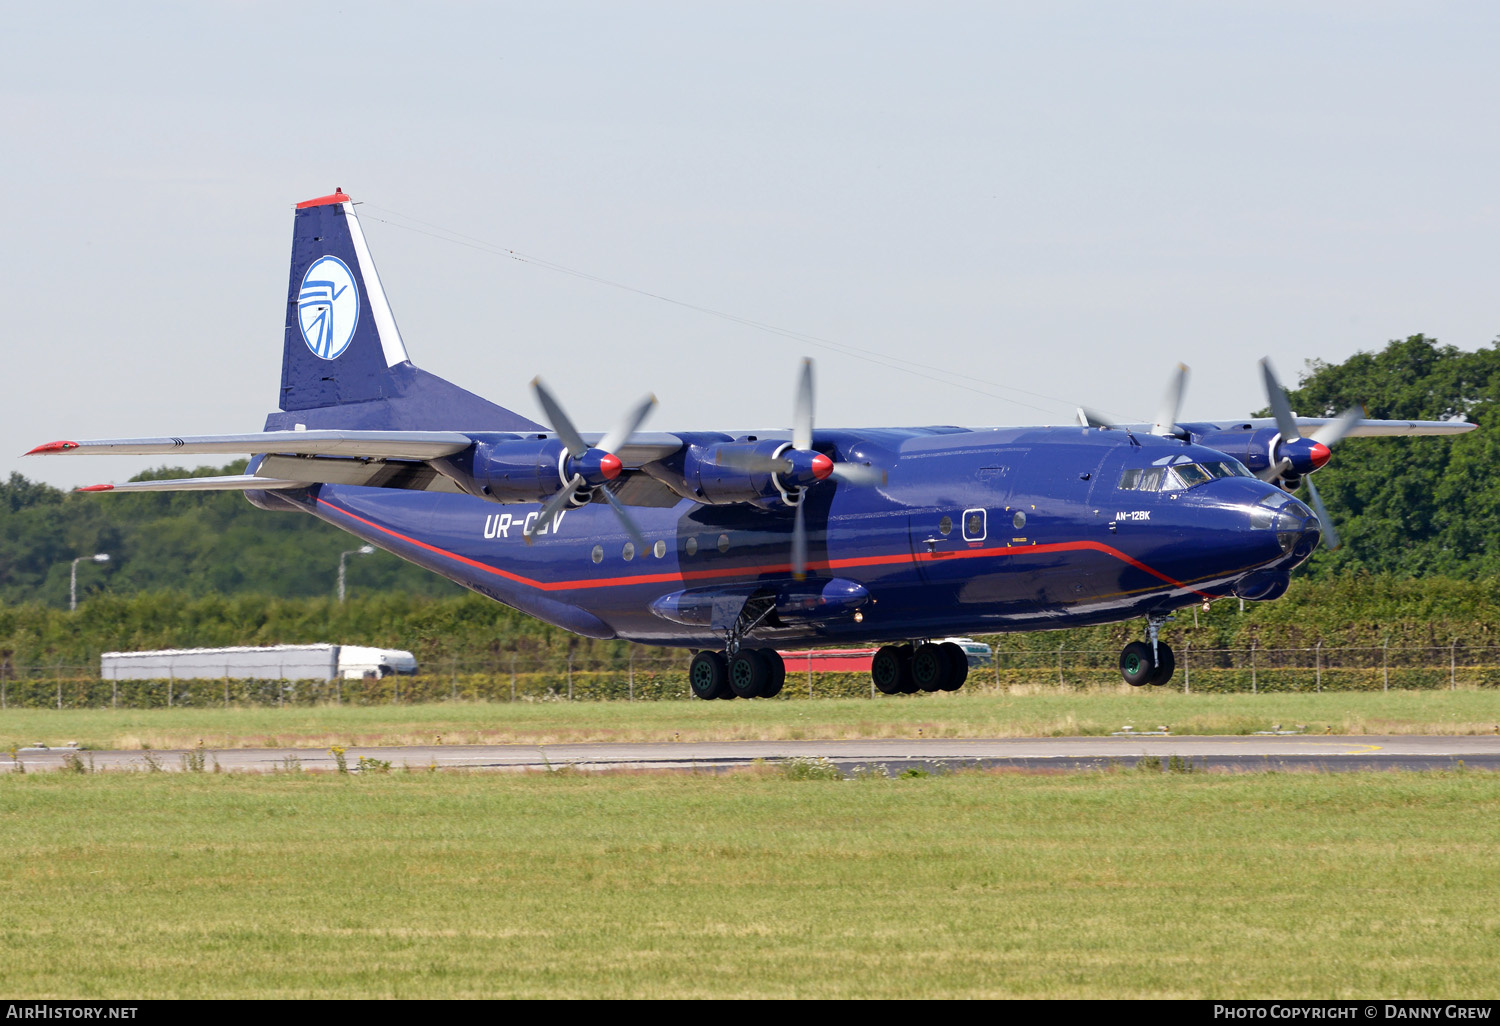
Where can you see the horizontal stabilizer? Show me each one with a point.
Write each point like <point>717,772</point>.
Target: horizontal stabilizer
<point>233,483</point>
<point>411,445</point>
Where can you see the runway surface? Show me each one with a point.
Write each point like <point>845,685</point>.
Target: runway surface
<point>1321,753</point>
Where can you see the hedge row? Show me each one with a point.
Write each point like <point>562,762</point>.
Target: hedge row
<point>590,686</point>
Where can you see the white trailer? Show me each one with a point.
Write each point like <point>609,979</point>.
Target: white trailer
<point>274,662</point>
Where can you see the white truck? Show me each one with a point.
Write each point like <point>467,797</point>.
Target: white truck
<point>274,662</point>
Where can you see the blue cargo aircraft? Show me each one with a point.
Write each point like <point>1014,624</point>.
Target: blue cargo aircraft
<point>736,544</point>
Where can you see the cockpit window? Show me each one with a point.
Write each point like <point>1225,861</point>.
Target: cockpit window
<point>1192,474</point>
<point>1179,477</point>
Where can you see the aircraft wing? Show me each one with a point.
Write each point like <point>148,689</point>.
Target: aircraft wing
<point>415,445</point>
<point>1372,428</point>
<point>371,459</point>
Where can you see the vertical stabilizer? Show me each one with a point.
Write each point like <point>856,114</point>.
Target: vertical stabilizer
<point>344,363</point>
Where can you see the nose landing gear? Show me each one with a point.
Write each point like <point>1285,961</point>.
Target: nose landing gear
<point>1150,662</point>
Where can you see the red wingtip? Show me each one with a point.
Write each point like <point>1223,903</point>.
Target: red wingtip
<point>609,466</point>
<point>337,196</point>
<point>822,466</point>
<point>96,488</point>
<point>52,447</point>
<point>1320,454</point>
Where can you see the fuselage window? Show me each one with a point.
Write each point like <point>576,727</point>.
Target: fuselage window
<point>629,551</point>
<point>945,525</point>
<point>691,546</point>
<point>659,549</point>
<point>598,554</point>
<point>1130,479</point>
<point>723,543</point>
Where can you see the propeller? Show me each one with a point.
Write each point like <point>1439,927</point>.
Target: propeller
<point>799,466</point>
<point>1314,450</point>
<point>588,467</point>
<point>1171,405</point>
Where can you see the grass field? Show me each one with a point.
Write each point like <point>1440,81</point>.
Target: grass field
<point>1040,713</point>
<point>752,884</point>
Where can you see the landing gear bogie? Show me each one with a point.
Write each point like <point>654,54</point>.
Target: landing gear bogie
<point>750,673</point>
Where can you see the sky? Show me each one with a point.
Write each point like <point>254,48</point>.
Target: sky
<point>972,214</point>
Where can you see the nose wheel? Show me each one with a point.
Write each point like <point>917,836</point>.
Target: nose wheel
<point>1148,662</point>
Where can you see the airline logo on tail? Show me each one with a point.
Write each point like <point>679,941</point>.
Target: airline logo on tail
<point>328,307</point>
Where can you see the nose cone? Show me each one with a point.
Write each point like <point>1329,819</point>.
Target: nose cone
<point>1298,531</point>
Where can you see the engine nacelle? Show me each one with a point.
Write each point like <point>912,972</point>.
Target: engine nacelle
<point>710,479</point>
<point>508,470</point>
<point>1252,448</point>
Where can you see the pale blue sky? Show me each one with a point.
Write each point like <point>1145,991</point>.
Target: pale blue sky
<point>1064,198</point>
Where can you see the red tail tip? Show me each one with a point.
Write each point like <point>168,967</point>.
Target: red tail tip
<point>96,488</point>
<point>610,466</point>
<point>822,466</point>
<point>1320,454</point>
<point>53,447</point>
<point>337,196</point>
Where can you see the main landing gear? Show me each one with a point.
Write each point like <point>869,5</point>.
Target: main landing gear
<point>902,670</point>
<point>1148,662</point>
<point>749,673</point>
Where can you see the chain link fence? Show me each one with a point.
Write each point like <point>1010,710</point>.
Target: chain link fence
<point>662,675</point>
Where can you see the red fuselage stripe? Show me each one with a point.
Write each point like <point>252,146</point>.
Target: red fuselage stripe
<point>772,568</point>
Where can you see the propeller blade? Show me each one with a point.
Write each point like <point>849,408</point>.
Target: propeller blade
<point>1330,533</point>
<point>754,462</point>
<point>802,412</point>
<point>799,544</point>
<point>559,420</point>
<point>1093,419</point>
<point>1331,434</point>
<point>1275,470</point>
<point>627,426</point>
<point>1171,404</point>
<point>557,502</point>
<point>858,474</point>
<point>1281,406</point>
<point>635,532</point>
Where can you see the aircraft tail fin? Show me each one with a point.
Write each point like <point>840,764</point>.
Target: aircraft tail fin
<point>344,364</point>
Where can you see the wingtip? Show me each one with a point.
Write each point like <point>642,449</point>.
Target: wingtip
<point>51,447</point>
<point>96,488</point>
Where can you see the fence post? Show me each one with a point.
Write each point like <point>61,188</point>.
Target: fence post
<point>453,677</point>
<point>512,676</point>
<point>1252,666</point>
<point>2,685</point>
<point>226,691</point>
<point>995,655</point>
<point>1318,665</point>
<point>1385,664</point>
<point>1060,682</point>
<point>809,673</point>
<point>1453,665</point>
<point>1187,673</point>
<point>631,693</point>
<point>570,676</point>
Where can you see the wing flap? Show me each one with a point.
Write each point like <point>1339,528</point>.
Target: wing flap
<point>409,475</point>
